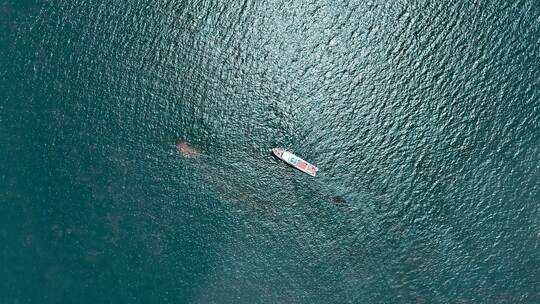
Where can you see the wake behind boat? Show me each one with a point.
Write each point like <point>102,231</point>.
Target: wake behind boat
<point>295,161</point>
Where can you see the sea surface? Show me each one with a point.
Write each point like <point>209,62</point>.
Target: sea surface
<point>423,117</point>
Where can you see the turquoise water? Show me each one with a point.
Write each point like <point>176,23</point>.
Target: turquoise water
<point>423,118</point>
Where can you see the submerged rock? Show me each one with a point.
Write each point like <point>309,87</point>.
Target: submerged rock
<point>185,150</point>
<point>339,200</point>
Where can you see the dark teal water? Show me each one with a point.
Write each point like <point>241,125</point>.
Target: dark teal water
<point>424,118</point>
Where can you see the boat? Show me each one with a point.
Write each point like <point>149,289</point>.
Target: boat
<point>295,161</point>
